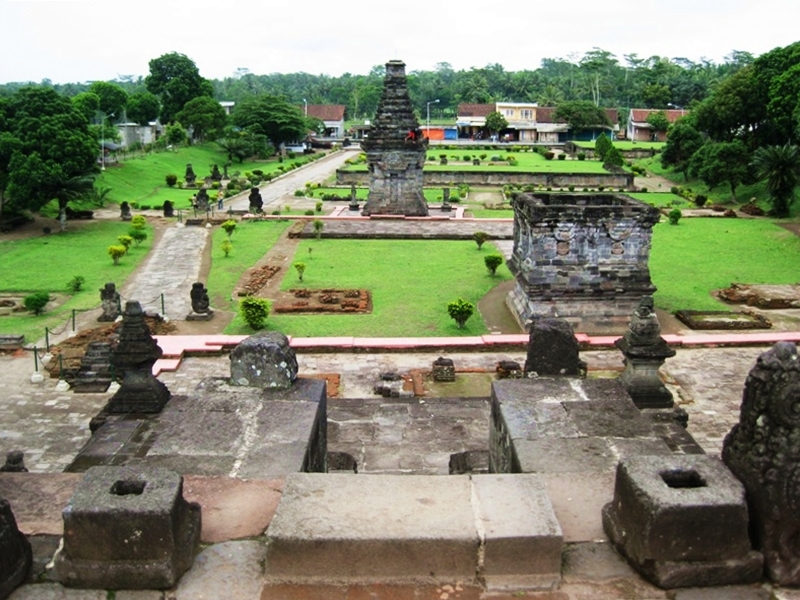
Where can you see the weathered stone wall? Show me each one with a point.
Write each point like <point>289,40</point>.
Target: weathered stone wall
<point>498,178</point>
<point>581,256</point>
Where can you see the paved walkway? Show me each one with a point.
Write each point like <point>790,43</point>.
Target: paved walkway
<point>170,270</point>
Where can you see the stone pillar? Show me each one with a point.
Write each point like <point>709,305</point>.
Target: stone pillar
<point>128,528</point>
<point>15,551</point>
<point>553,350</point>
<point>133,358</point>
<point>762,451</point>
<point>645,351</point>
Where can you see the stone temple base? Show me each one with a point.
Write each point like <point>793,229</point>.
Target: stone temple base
<point>586,314</point>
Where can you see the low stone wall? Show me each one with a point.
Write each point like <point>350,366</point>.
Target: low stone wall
<point>498,177</point>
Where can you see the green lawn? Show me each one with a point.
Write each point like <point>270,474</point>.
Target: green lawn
<point>661,199</point>
<point>627,145</point>
<point>47,263</point>
<point>527,162</point>
<point>250,240</point>
<point>141,178</point>
<point>691,259</point>
<point>411,283</point>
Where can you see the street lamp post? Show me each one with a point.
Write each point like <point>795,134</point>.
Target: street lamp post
<point>103,141</point>
<point>428,117</point>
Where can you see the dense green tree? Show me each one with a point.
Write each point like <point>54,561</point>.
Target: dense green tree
<point>779,166</point>
<point>722,162</point>
<point>47,151</point>
<point>273,117</point>
<point>613,158</point>
<point>601,146</point>
<point>143,107</point>
<point>175,134</point>
<point>175,79</point>
<point>112,99</point>
<point>88,104</point>
<point>733,110</point>
<point>658,121</point>
<point>682,142</point>
<point>204,115</point>
<point>581,115</point>
<point>495,122</point>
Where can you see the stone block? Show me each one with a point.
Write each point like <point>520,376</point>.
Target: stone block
<point>521,535</point>
<point>373,528</point>
<point>128,528</point>
<point>264,360</point>
<point>682,521</point>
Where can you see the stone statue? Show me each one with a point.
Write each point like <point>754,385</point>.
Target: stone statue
<point>169,209</point>
<point>353,199</point>
<point>14,463</point>
<point>109,297</point>
<point>256,202</point>
<point>190,178</point>
<point>553,350</point>
<point>125,211</point>
<point>15,551</point>
<point>202,200</point>
<point>763,451</point>
<point>201,310</point>
<point>215,174</point>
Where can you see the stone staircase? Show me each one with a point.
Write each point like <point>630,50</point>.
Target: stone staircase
<point>94,375</point>
<point>497,529</point>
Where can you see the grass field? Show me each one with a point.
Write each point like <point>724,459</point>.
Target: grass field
<point>48,263</point>
<point>142,178</point>
<point>411,283</point>
<point>251,239</point>
<point>527,162</point>
<point>690,260</point>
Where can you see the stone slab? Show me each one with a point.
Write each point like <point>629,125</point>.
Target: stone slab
<point>375,527</point>
<point>227,570</point>
<point>577,500</point>
<point>37,499</point>
<point>233,508</point>
<point>522,538</point>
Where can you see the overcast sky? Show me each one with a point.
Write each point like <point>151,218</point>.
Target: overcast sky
<point>87,40</point>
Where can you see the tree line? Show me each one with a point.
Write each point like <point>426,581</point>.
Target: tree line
<point>597,76</point>
<point>746,130</point>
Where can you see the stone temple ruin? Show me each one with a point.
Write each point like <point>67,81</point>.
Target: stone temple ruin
<point>395,151</point>
<point>580,257</point>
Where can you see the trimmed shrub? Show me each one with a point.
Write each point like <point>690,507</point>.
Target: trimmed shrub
<point>674,216</point>
<point>226,246</point>
<point>116,252</point>
<point>171,179</point>
<point>548,155</point>
<point>492,261</point>
<point>318,206</point>
<point>300,267</point>
<point>75,284</point>
<point>36,302</point>
<point>480,237</point>
<point>562,156</point>
<point>254,311</point>
<point>229,227</point>
<point>138,221</point>
<point>581,155</point>
<point>460,310</point>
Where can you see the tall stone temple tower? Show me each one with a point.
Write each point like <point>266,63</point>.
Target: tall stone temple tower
<point>395,151</point>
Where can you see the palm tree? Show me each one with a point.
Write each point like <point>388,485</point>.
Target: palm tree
<point>71,188</point>
<point>780,167</point>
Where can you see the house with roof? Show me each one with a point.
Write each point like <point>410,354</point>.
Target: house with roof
<point>527,122</point>
<point>639,130</point>
<point>332,115</point>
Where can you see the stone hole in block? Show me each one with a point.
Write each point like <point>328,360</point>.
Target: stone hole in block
<point>128,487</point>
<point>683,478</point>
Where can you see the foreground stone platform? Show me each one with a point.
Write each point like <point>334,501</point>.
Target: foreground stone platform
<point>379,528</point>
<point>219,429</point>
